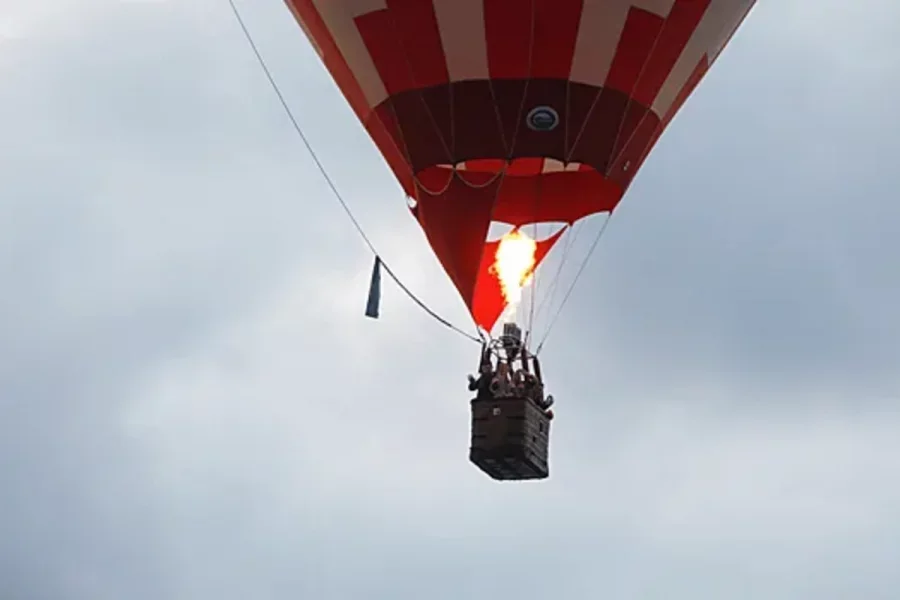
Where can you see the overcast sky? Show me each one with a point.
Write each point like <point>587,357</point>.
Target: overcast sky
<point>192,405</point>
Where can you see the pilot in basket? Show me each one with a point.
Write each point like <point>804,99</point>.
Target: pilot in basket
<point>510,412</point>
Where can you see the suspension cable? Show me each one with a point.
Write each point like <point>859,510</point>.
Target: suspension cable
<point>574,281</point>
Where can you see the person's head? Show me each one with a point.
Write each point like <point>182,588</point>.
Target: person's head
<point>486,367</point>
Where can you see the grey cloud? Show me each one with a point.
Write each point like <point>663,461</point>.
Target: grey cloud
<point>774,260</point>
<point>193,406</point>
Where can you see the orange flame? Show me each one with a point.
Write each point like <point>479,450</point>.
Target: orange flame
<point>514,264</point>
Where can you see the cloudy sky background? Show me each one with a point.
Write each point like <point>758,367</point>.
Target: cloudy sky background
<point>192,405</point>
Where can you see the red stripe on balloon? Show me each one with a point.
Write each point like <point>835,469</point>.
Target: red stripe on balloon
<point>386,49</point>
<point>404,42</point>
<point>507,25</point>
<point>638,36</point>
<point>416,24</point>
<point>555,33</point>
<point>679,26</point>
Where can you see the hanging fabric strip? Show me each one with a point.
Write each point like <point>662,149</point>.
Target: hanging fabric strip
<point>374,302</point>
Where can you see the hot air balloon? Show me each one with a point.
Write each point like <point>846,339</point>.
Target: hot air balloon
<point>513,113</point>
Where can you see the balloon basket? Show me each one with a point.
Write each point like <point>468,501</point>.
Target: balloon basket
<point>510,439</point>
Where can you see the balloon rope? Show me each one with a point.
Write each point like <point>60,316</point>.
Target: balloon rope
<point>331,184</point>
<point>574,281</point>
<point>553,286</point>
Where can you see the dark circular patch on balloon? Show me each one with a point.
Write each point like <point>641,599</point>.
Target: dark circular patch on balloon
<point>542,118</point>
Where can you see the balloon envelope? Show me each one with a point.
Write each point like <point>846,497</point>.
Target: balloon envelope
<point>514,111</point>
